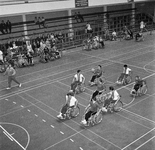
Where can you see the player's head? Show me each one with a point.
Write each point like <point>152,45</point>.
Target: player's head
<point>137,78</point>
<point>125,66</point>
<point>70,93</point>
<point>99,66</point>
<point>78,71</point>
<point>111,88</point>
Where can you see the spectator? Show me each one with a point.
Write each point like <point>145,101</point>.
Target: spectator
<point>1,57</point>
<point>71,34</point>
<point>76,17</point>
<point>142,26</point>
<point>2,27</point>
<point>36,21</point>
<point>114,35</point>
<point>8,26</point>
<point>80,17</point>
<point>39,21</point>
<point>43,23</point>
<point>88,28</point>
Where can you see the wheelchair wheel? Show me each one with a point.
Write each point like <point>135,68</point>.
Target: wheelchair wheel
<point>98,118</point>
<point>118,106</point>
<point>128,80</point>
<point>75,112</point>
<point>144,90</point>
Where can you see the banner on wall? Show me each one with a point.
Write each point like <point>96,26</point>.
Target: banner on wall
<point>81,3</point>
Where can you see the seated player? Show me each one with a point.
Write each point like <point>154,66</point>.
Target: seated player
<point>124,75</point>
<point>78,79</point>
<point>97,74</point>
<point>113,97</point>
<point>71,102</point>
<point>93,108</point>
<point>100,89</point>
<point>139,36</point>
<point>138,84</point>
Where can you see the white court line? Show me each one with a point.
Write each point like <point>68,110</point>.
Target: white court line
<point>147,65</point>
<point>12,138</point>
<point>46,83</point>
<point>68,63</point>
<point>90,56</point>
<point>138,139</point>
<point>71,140</point>
<point>8,136</point>
<point>117,114</point>
<point>67,125</point>
<point>28,136</point>
<point>145,143</point>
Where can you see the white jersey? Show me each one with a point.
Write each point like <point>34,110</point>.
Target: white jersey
<point>126,71</point>
<point>142,25</point>
<point>72,101</point>
<point>1,55</point>
<point>115,95</point>
<point>79,77</point>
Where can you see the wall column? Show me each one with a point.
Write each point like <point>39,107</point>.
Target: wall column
<point>25,26</point>
<point>133,15</point>
<point>70,19</point>
<point>105,14</point>
<point>154,15</point>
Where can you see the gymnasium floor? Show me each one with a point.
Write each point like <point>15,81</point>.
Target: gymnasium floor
<point>28,114</point>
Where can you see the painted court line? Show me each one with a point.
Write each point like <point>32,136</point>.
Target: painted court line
<point>71,140</point>
<point>28,136</point>
<point>66,63</point>
<point>12,137</point>
<point>52,126</point>
<point>116,113</point>
<point>145,143</point>
<point>8,135</point>
<point>138,139</point>
<point>67,126</point>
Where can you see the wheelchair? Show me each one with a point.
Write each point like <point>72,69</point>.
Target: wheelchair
<point>71,112</point>
<point>87,45</point>
<point>112,106</point>
<point>141,91</point>
<point>80,88</point>
<point>93,119</point>
<point>125,80</point>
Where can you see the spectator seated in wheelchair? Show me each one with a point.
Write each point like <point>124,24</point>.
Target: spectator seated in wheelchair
<point>112,98</point>
<point>77,85</point>
<point>87,44</point>
<point>71,103</point>
<point>139,87</point>
<point>128,33</point>
<point>101,42</point>
<point>95,42</point>
<point>125,77</point>
<point>139,37</point>
<point>97,74</point>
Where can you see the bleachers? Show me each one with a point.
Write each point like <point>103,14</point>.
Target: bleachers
<point>57,24</point>
<point>13,2</point>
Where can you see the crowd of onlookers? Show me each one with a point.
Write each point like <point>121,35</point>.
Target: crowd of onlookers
<point>20,52</point>
<point>40,21</point>
<point>5,27</point>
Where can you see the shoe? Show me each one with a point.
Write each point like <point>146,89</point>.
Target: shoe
<point>20,85</point>
<point>8,88</point>
<point>59,116</point>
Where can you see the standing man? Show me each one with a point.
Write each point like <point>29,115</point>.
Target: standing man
<point>11,72</point>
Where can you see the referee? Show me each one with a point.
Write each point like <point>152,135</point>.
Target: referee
<point>11,72</point>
